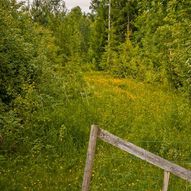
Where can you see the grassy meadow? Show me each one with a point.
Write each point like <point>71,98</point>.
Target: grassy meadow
<point>152,117</point>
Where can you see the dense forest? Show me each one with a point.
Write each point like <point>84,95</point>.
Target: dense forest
<point>125,65</point>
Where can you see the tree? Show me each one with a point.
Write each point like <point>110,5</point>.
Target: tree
<point>45,11</point>
<point>16,52</point>
<point>72,34</point>
<point>99,30</point>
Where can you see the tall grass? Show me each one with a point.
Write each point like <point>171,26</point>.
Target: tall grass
<point>156,119</point>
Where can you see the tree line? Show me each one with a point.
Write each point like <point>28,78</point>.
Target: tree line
<point>150,40</point>
<point>44,47</point>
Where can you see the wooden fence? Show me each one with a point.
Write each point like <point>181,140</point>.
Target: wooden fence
<point>151,158</point>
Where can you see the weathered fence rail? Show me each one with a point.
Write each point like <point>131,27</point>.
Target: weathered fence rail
<point>151,158</point>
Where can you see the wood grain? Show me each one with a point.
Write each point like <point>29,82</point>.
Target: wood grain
<point>90,158</point>
<point>166,181</point>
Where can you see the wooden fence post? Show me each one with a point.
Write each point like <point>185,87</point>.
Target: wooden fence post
<point>151,158</point>
<point>90,158</point>
<point>166,180</point>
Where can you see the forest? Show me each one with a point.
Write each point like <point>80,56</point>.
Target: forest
<point>125,65</point>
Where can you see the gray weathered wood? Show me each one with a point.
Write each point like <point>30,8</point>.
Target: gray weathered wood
<point>90,158</point>
<point>145,155</point>
<point>166,181</point>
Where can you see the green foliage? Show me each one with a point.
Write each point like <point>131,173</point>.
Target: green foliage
<point>72,36</point>
<point>33,76</point>
<point>128,63</point>
<point>46,12</point>
<point>99,31</point>
<point>47,106</point>
<point>164,42</point>
<point>16,52</point>
<point>159,35</point>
